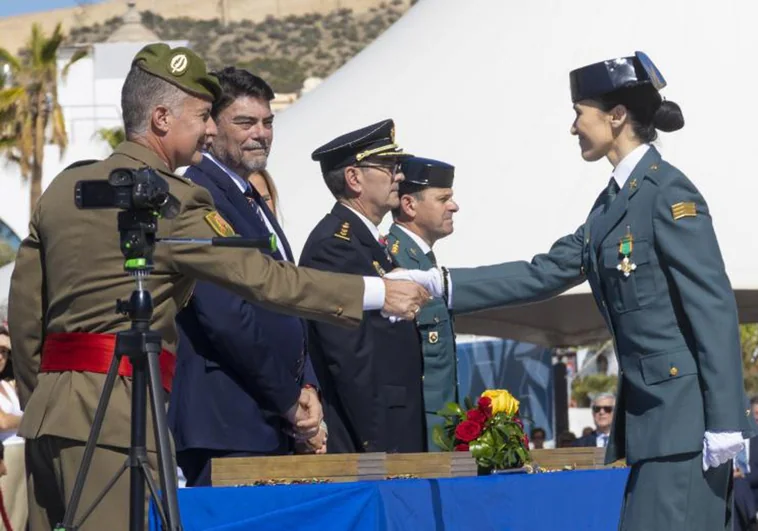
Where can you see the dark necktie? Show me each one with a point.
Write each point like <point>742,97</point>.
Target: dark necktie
<point>611,192</point>
<point>252,197</point>
<point>432,258</point>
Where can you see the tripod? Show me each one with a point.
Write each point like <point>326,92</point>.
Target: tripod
<point>144,197</point>
<point>142,346</point>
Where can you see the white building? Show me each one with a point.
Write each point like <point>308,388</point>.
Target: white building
<point>90,96</point>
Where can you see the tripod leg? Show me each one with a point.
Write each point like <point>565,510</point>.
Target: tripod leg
<point>138,452</point>
<point>89,449</point>
<point>165,459</point>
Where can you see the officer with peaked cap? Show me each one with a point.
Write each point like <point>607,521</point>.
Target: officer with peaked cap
<point>425,215</point>
<point>69,274</point>
<point>370,377</point>
<point>650,254</point>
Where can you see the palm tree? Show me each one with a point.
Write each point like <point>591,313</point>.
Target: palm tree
<point>30,115</point>
<point>113,136</point>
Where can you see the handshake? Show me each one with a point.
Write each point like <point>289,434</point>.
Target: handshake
<point>407,290</point>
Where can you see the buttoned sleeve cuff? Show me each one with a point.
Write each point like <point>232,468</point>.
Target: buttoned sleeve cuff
<point>373,293</point>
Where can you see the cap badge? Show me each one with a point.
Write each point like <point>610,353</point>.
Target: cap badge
<point>178,64</point>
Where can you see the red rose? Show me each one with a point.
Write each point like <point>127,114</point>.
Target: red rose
<point>526,441</point>
<point>468,430</point>
<point>485,405</point>
<point>476,415</point>
<point>461,447</point>
<point>518,421</point>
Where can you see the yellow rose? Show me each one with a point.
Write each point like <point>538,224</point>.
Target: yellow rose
<point>503,401</point>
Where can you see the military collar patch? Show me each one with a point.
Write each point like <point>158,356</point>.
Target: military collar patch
<point>219,224</point>
<point>395,247</point>
<point>344,232</point>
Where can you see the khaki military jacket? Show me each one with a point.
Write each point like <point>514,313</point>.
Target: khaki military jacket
<point>69,273</point>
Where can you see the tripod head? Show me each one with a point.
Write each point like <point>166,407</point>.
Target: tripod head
<point>144,196</point>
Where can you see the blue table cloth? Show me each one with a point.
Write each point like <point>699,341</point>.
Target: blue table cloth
<point>577,500</point>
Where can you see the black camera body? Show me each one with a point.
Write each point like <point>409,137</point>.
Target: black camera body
<point>143,196</point>
<point>128,189</point>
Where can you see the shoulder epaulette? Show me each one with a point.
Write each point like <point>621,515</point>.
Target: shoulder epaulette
<point>80,163</point>
<point>344,231</point>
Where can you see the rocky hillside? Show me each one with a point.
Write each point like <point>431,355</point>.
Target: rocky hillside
<point>284,50</point>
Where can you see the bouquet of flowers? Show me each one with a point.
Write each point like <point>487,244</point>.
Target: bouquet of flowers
<point>490,429</point>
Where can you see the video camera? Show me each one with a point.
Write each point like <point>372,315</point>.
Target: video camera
<point>144,196</point>
<point>128,189</point>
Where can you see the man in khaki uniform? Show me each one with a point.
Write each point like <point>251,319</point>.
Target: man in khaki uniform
<point>69,274</point>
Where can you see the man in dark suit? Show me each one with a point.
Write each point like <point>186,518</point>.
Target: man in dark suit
<point>602,414</point>
<point>243,376</point>
<point>370,377</point>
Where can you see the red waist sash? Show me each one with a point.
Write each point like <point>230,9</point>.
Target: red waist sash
<point>83,352</point>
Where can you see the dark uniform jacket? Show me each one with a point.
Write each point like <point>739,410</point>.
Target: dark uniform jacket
<point>370,377</point>
<point>69,273</point>
<point>236,360</point>
<point>673,318</point>
<point>435,328</point>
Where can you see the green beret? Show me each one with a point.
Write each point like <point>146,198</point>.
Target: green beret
<point>179,66</point>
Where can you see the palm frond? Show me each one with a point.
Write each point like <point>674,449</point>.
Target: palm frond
<point>60,138</point>
<point>12,60</point>
<point>79,54</point>
<point>49,48</point>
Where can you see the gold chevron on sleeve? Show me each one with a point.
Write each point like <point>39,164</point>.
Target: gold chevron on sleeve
<point>683,210</point>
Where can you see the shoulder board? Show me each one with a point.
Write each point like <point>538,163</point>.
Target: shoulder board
<point>343,233</point>
<point>80,163</point>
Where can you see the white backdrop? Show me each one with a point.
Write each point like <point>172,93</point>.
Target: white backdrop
<point>483,84</point>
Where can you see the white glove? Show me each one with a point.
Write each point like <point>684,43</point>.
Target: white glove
<point>720,447</point>
<point>431,279</point>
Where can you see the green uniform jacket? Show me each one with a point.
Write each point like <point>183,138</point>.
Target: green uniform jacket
<point>435,327</point>
<point>673,319</point>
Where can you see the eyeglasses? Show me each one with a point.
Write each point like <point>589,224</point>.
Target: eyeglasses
<point>606,409</point>
<point>394,169</point>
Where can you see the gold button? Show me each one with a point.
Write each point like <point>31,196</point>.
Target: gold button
<point>587,240</point>
<point>339,311</point>
<point>436,319</point>
<point>422,378</point>
<point>365,444</point>
<point>654,167</point>
<point>674,371</point>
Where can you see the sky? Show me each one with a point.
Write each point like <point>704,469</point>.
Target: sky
<point>17,7</point>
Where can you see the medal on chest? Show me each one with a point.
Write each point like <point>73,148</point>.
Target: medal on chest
<point>626,244</point>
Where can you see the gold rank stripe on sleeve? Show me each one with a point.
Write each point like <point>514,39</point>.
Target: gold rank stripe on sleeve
<point>344,232</point>
<point>683,210</point>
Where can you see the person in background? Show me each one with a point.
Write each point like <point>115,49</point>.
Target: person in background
<point>13,475</point>
<point>602,414</point>
<point>537,439</point>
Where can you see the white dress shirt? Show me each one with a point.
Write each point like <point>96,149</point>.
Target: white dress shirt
<point>625,168</point>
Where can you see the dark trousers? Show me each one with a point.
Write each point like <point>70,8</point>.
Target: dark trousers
<point>744,506</point>
<point>196,464</point>
<point>674,494</point>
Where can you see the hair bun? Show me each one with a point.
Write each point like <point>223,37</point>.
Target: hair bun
<point>668,117</point>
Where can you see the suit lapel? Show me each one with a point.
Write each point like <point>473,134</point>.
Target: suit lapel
<point>605,222</point>
<point>359,229</point>
<point>240,202</point>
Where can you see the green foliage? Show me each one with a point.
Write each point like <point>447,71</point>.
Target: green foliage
<point>749,341</point>
<point>284,75</point>
<point>583,389</point>
<point>290,48</point>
